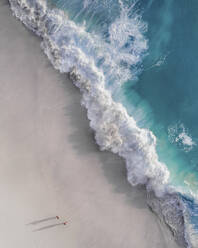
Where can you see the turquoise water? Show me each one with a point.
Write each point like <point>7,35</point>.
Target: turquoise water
<point>164,98</point>
<point>167,88</point>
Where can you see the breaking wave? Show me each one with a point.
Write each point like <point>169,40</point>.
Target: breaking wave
<point>97,67</point>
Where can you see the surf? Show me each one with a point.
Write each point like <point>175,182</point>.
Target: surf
<point>99,62</point>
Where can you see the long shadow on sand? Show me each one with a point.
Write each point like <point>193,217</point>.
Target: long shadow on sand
<point>42,220</point>
<point>48,227</point>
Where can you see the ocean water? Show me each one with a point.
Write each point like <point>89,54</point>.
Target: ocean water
<point>166,89</point>
<point>135,64</point>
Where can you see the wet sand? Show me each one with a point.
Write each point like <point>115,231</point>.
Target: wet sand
<point>50,165</point>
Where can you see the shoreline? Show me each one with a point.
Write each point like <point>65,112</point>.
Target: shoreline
<point>51,164</point>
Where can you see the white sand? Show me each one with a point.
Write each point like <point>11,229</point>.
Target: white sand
<point>50,165</point>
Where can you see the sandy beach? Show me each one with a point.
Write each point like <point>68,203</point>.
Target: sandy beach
<point>50,164</point>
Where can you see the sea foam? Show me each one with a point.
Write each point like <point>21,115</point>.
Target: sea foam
<point>97,67</point>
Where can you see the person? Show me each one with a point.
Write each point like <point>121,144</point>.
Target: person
<point>64,223</point>
<point>57,217</point>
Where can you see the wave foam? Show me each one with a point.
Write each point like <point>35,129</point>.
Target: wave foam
<point>170,209</point>
<point>178,134</point>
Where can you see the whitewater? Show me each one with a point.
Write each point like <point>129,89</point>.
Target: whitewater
<point>98,66</point>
